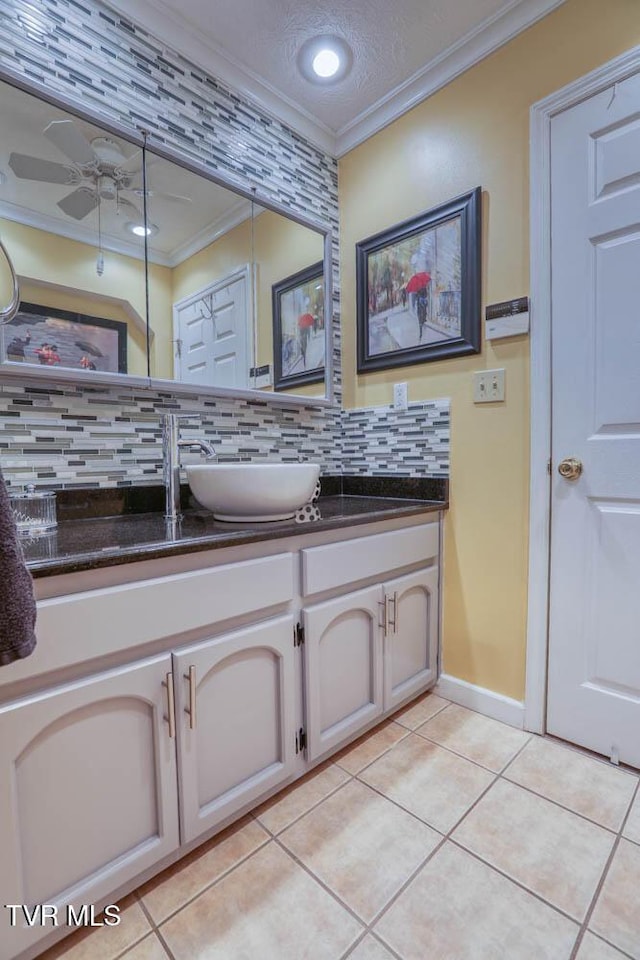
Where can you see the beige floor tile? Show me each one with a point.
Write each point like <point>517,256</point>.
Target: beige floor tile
<point>104,943</point>
<point>481,739</point>
<point>185,879</point>
<point>368,748</point>
<point>148,949</point>
<point>370,949</point>
<point>268,908</point>
<point>592,948</point>
<point>553,852</point>
<point>428,781</point>
<point>457,908</point>
<point>587,786</point>
<point>632,826</point>
<point>421,710</point>
<point>617,913</point>
<point>362,846</point>
<point>287,806</point>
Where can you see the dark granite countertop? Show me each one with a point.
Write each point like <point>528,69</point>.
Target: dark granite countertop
<point>91,541</point>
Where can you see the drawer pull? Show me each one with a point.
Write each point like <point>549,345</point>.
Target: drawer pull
<point>394,600</point>
<point>171,706</point>
<point>384,624</point>
<point>191,677</point>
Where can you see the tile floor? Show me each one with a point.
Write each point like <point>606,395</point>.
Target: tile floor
<point>440,835</point>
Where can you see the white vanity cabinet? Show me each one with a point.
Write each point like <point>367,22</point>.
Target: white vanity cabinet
<point>87,790</point>
<point>368,651</point>
<point>168,697</point>
<point>236,730</point>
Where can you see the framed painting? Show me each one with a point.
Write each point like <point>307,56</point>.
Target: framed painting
<point>50,338</point>
<point>298,328</point>
<point>418,288</point>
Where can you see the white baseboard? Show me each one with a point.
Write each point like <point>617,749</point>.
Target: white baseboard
<point>483,701</point>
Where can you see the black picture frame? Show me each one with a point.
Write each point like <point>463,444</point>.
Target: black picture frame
<point>297,296</point>
<point>80,341</point>
<point>399,322</point>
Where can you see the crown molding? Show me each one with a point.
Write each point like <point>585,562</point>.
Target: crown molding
<point>484,40</point>
<point>165,25</point>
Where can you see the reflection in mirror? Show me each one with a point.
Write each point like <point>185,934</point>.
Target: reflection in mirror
<point>215,258</point>
<point>71,198</point>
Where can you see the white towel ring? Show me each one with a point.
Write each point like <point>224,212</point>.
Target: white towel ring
<point>8,313</point>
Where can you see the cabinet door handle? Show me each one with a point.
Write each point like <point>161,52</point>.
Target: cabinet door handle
<point>384,624</point>
<point>171,706</point>
<point>191,677</point>
<point>394,600</point>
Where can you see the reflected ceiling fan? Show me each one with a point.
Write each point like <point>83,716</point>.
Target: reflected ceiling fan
<point>98,170</point>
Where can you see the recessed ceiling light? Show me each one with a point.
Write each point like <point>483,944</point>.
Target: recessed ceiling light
<point>140,230</point>
<point>325,63</point>
<point>325,59</point>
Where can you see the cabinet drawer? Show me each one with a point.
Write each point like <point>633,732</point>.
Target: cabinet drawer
<point>333,565</point>
<point>79,627</point>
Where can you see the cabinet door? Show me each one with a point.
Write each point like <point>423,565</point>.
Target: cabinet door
<point>343,667</point>
<point>88,792</point>
<point>411,643</point>
<point>236,729</point>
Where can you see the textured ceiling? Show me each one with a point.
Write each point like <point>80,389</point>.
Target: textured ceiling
<point>253,44</point>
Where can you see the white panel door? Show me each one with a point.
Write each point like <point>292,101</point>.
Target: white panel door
<point>236,723</point>
<point>411,641</point>
<point>211,331</point>
<point>88,791</point>
<point>594,642</point>
<point>343,667</point>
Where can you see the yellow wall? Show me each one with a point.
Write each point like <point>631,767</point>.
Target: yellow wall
<point>474,132</point>
<point>280,248</point>
<point>70,264</point>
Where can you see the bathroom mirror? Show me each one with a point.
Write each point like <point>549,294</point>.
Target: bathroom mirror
<point>87,209</point>
<point>70,195</point>
<point>215,258</point>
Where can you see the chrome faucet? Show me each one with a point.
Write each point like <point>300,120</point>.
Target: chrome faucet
<point>171,443</point>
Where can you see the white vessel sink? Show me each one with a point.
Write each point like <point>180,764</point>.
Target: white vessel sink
<point>241,492</point>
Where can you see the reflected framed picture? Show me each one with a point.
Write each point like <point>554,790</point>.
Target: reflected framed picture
<point>52,338</point>
<point>298,328</point>
<point>418,288</point>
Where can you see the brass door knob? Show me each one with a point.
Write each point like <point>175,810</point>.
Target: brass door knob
<point>570,468</point>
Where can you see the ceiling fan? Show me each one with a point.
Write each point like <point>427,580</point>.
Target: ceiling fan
<point>99,170</point>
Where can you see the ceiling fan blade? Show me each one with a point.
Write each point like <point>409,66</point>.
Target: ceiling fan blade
<point>132,164</point>
<point>158,195</point>
<point>79,203</point>
<point>123,202</point>
<point>69,140</point>
<point>34,168</point>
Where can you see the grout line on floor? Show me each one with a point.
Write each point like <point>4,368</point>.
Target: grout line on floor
<point>165,945</point>
<point>592,905</point>
<point>350,776</point>
<point>406,733</point>
<point>463,756</point>
<point>215,882</point>
<point>320,882</point>
<point>517,883</point>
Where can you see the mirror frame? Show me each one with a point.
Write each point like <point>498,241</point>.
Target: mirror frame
<point>144,139</point>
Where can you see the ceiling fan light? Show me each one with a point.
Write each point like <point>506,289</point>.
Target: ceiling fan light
<point>140,230</point>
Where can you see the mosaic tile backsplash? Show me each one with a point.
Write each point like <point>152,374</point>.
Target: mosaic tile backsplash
<point>69,438</point>
<point>79,437</point>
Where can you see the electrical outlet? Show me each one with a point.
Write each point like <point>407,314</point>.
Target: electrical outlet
<point>400,396</point>
<point>488,386</point>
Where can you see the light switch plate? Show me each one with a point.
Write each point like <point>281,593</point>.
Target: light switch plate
<point>488,386</point>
